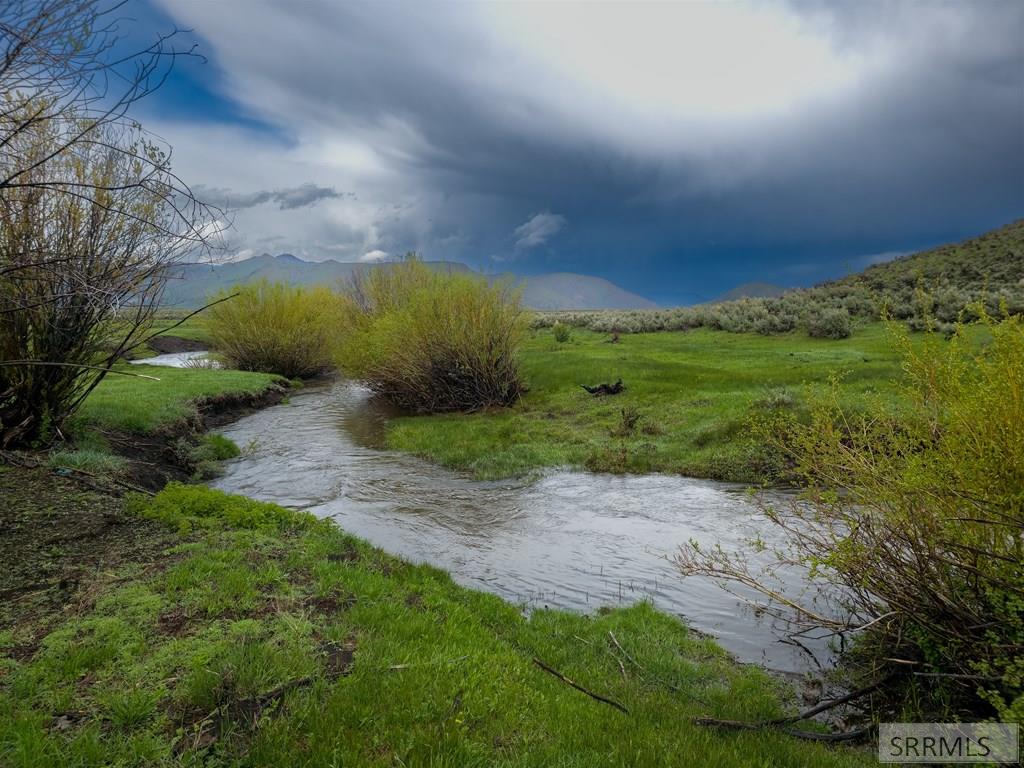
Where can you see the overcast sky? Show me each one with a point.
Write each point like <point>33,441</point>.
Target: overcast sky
<point>677,149</point>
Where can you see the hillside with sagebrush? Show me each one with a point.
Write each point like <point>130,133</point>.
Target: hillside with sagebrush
<point>931,288</point>
<point>993,262</point>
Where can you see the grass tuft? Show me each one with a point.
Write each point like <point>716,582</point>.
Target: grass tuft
<point>92,460</point>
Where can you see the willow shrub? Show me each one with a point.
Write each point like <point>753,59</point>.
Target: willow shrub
<point>433,341</point>
<point>277,328</point>
<point>916,514</point>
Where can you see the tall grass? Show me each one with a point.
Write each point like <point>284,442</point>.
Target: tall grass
<point>433,341</point>
<point>277,328</point>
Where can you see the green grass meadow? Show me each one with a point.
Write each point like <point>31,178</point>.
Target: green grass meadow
<point>265,637</point>
<point>693,391</point>
<point>142,405</point>
<point>193,328</point>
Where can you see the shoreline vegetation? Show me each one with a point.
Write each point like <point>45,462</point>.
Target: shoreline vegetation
<point>180,624</point>
<point>193,625</point>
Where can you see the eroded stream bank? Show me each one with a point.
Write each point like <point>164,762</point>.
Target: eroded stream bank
<point>568,539</point>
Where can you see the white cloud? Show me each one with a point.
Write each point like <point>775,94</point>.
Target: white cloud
<point>538,229</point>
<point>373,257</point>
<point>693,120</point>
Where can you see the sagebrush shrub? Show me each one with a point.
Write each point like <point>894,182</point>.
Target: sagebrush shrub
<point>830,324</point>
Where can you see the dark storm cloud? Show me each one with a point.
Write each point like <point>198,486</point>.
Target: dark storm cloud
<point>926,145</point>
<point>285,199</point>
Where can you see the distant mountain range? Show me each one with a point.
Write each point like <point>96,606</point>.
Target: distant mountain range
<point>191,284</point>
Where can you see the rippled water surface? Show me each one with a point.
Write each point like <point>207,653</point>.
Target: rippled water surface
<point>569,539</point>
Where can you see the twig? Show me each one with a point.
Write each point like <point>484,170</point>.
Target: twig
<point>805,715</point>
<point>78,365</point>
<point>11,458</point>
<point>129,486</point>
<point>791,640</point>
<point>578,687</point>
<point>427,663</point>
<point>824,706</point>
<point>831,738</point>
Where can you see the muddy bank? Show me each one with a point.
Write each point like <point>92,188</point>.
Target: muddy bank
<point>58,537</point>
<point>165,345</point>
<point>62,530</point>
<point>158,458</point>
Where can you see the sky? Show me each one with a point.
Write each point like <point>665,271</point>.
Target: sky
<point>677,149</point>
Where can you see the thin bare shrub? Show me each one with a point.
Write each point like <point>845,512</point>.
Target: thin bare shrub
<point>433,341</point>
<point>914,518</point>
<point>277,328</point>
<point>91,214</point>
<point>84,256</point>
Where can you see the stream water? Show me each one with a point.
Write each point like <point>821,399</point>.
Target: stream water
<point>567,539</point>
<point>174,359</point>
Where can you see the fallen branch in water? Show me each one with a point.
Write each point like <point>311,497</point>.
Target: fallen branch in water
<point>578,687</point>
<point>805,715</point>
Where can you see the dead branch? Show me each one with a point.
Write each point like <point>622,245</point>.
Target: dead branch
<point>580,688</point>
<point>600,390</point>
<point>78,365</point>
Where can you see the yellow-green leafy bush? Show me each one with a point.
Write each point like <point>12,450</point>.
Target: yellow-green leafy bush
<point>433,341</point>
<point>277,328</point>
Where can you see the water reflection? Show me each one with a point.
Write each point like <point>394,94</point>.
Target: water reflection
<point>569,539</point>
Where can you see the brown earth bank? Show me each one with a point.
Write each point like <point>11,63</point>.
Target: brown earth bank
<point>63,530</point>
<point>60,537</point>
<point>156,459</point>
<point>167,345</point>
